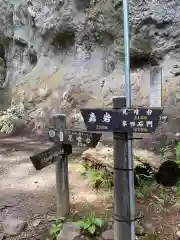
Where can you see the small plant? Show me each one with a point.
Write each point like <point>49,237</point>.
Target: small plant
<point>165,152</point>
<point>118,3</point>
<point>56,228</point>
<point>143,172</point>
<point>98,179</point>
<point>83,169</point>
<point>91,226</point>
<point>6,122</point>
<point>144,189</point>
<point>177,190</point>
<point>178,153</point>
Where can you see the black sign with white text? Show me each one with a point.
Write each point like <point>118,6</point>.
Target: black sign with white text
<point>75,137</point>
<point>49,156</point>
<point>140,120</point>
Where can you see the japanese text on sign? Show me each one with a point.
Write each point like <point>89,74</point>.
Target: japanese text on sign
<point>77,137</point>
<point>122,120</point>
<point>107,119</point>
<point>47,157</point>
<point>81,139</point>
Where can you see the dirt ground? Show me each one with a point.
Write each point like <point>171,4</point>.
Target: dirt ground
<point>29,194</point>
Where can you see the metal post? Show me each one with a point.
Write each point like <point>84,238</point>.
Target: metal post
<point>62,182</point>
<point>128,105</point>
<point>122,214</point>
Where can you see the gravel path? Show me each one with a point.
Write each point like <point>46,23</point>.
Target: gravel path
<point>27,190</point>
<point>24,192</point>
<point>29,194</point>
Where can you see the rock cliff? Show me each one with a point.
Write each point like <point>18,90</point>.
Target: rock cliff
<point>57,53</point>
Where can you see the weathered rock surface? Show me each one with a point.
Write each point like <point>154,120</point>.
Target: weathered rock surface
<point>57,54</point>
<point>69,232</point>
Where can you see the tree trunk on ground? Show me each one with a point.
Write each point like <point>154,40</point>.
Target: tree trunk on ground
<point>144,162</point>
<point>102,157</point>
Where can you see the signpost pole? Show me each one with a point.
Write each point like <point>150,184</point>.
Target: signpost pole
<point>128,105</point>
<point>122,216</point>
<point>123,122</point>
<point>62,182</point>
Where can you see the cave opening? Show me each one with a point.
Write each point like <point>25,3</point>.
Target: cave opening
<point>2,51</point>
<point>2,65</point>
<point>143,60</point>
<point>64,40</point>
<point>82,5</point>
<point>32,56</point>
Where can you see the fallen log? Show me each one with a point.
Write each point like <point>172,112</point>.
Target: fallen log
<point>146,164</point>
<point>168,174</point>
<point>102,156</point>
<point>149,158</point>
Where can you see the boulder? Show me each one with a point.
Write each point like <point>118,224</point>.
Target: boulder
<point>69,232</point>
<point>13,226</point>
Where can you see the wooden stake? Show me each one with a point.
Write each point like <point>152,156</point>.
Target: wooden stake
<point>62,181</point>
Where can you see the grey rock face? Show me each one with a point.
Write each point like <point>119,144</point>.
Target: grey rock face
<point>61,29</point>
<point>2,71</point>
<point>6,20</point>
<point>155,25</point>
<point>72,46</point>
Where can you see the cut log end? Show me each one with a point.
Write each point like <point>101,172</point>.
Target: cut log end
<point>168,174</point>
<point>147,165</point>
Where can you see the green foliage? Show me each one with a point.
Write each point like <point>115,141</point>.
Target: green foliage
<point>144,189</point>
<point>178,153</point>
<point>165,153</point>
<point>91,225</point>
<point>118,3</point>
<point>98,179</point>
<point>177,190</point>
<point>8,118</point>
<point>56,228</point>
<point>143,172</point>
<point>6,122</point>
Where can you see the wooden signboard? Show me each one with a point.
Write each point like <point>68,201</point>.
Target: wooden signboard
<point>140,120</point>
<point>49,156</point>
<point>75,137</point>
